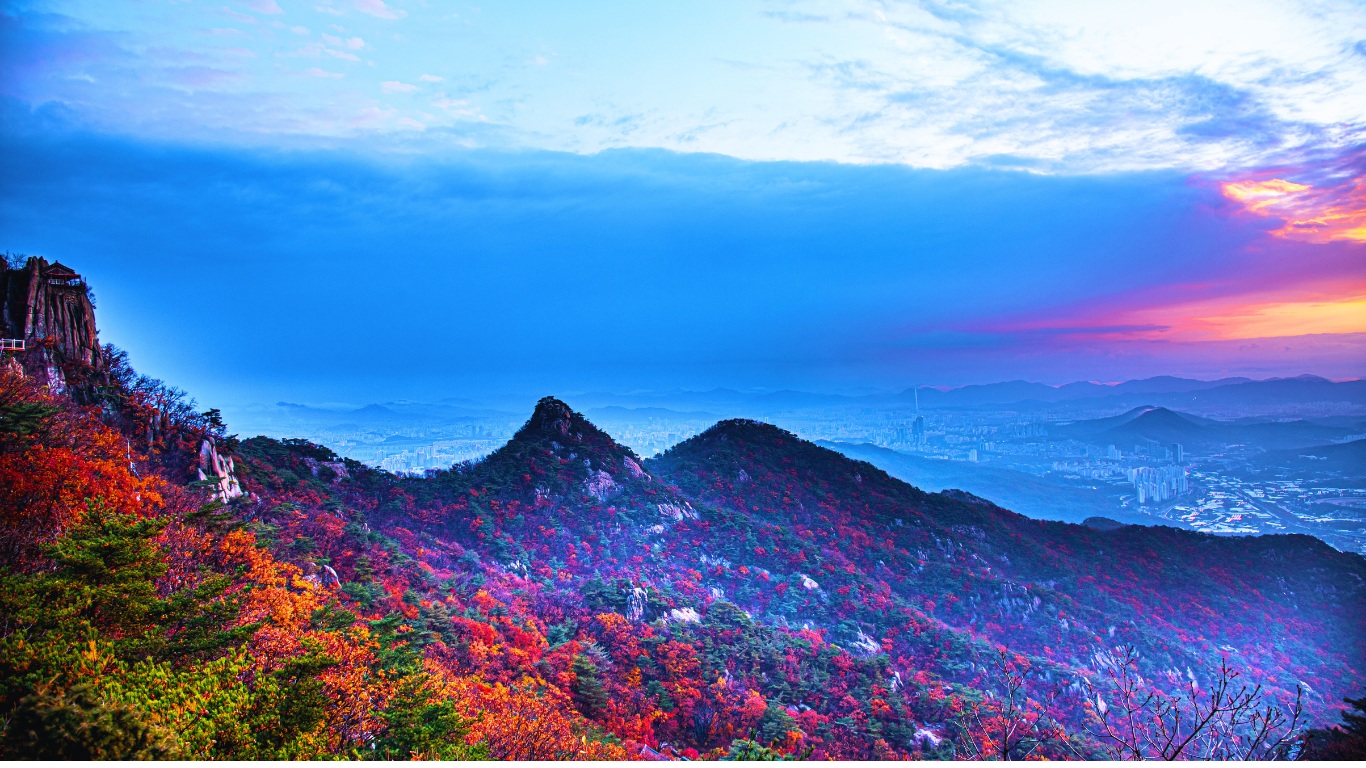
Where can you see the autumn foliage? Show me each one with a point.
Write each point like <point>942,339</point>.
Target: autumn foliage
<point>747,595</point>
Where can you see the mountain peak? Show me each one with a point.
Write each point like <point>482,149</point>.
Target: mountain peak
<point>553,416</point>
<point>749,428</point>
<point>556,425</point>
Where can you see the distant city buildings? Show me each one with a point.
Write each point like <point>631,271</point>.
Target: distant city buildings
<point>1158,484</point>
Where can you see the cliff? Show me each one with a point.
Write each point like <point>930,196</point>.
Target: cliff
<point>48,307</point>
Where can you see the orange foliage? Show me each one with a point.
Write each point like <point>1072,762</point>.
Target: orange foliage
<point>46,480</point>
<point>518,723</point>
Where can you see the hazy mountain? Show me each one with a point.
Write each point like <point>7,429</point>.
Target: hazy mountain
<point>1164,426</point>
<point>620,413</point>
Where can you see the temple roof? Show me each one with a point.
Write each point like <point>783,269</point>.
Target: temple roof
<point>60,270</point>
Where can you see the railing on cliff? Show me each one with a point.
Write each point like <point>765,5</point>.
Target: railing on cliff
<point>11,345</point>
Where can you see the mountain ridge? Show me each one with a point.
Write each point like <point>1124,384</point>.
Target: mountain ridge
<point>747,593</point>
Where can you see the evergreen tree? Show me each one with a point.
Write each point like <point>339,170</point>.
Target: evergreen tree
<point>1339,742</point>
<point>589,695</point>
<point>78,726</point>
<point>422,725</point>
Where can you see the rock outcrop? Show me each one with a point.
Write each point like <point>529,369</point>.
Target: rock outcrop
<point>48,308</point>
<point>218,469</point>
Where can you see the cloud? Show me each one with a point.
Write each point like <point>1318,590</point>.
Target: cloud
<point>319,72</point>
<point>797,18</point>
<point>1269,319</point>
<point>373,116</point>
<point>804,273</point>
<point>394,86</point>
<point>269,7</point>
<point>1048,86</point>
<point>230,13</point>
<point>201,77</point>
<point>431,78</point>
<point>1312,214</point>
<point>354,43</point>
<point>379,9</point>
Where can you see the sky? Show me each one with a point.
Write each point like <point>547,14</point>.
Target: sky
<point>362,200</point>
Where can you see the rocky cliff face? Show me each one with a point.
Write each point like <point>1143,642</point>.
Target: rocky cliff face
<point>47,306</point>
<point>216,468</point>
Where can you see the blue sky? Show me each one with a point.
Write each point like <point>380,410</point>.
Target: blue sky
<point>354,201</point>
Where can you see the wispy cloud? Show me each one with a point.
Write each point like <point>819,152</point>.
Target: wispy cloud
<point>379,9</point>
<point>1233,89</point>
<point>353,43</point>
<point>269,7</point>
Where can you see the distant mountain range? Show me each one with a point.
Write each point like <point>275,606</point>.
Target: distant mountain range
<point>1151,423</point>
<point>1159,391</point>
<point>1168,391</point>
<point>620,413</point>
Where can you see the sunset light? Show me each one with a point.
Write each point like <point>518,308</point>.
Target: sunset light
<point>1315,215</point>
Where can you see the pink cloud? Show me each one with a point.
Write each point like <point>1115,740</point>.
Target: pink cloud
<point>379,9</point>
<point>354,43</point>
<point>269,7</point>
<point>371,116</point>
<point>1313,214</point>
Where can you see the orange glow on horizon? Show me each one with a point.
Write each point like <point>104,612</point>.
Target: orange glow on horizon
<point>1284,318</point>
<point>1312,214</point>
<point>1341,310</point>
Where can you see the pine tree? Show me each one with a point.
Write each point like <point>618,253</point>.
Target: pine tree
<point>1340,742</point>
<point>589,695</point>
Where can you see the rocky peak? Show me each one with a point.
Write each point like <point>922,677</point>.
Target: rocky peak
<point>555,422</point>
<point>567,435</point>
<point>555,419</point>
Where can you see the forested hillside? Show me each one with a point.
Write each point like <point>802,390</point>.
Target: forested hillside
<point>745,594</point>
